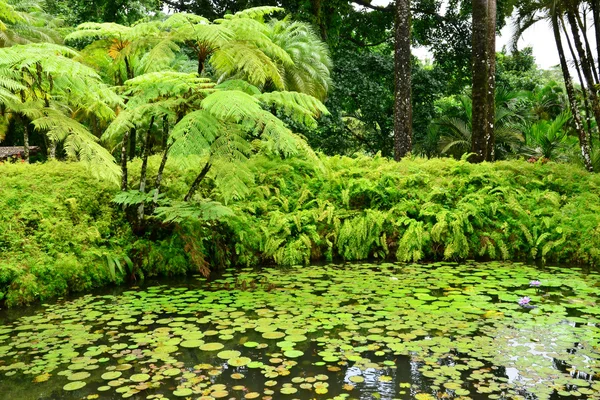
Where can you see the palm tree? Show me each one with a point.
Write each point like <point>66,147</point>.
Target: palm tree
<point>457,133</point>
<point>549,138</point>
<point>483,92</point>
<point>403,97</point>
<point>530,12</point>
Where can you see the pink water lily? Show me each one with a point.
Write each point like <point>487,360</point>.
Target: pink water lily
<point>535,283</point>
<point>524,301</point>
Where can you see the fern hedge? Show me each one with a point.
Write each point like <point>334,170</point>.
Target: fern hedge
<point>60,231</point>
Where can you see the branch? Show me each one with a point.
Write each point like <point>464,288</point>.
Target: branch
<point>365,3</point>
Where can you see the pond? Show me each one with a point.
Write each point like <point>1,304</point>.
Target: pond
<point>356,331</point>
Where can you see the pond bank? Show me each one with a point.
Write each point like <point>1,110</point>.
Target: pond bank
<point>60,232</point>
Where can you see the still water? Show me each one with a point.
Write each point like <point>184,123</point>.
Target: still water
<point>356,331</point>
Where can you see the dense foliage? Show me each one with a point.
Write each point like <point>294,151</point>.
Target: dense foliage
<point>60,232</point>
<point>262,135</point>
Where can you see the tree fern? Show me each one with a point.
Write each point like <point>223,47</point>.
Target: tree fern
<point>51,90</point>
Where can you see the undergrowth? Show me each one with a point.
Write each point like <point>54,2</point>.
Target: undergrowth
<point>61,232</point>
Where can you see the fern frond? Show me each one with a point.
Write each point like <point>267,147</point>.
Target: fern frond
<point>205,210</point>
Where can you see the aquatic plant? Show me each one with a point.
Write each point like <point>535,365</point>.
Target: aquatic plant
<point>328,330</point>
<point>524,301</point>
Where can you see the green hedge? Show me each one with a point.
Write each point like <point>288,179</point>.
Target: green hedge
<point>58,226</point>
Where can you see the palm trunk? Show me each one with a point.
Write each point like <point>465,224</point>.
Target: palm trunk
<point>144,170</point>
<point>586,102</point>
<point>124,160</point>
<point>583,140</point>
<point>197,181</point>
<point>403,96</point>
<point>491,89</point>
<point>596,15</point>
<point>479,142</point>
<point>585,66</point>
<point>583,27</point>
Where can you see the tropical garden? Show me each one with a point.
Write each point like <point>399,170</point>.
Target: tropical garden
<point>280,200</point>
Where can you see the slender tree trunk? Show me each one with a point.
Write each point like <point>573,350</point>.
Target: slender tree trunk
<point>197,181</point>
<point>490,138</point>
<point>132,143</point>
<point>128,69</point>
<point>479,130</point>
<point>585,67</point>
<point>163,161</point>
<point>583,28</point>
<point>201,61</point>
<point>144,170</point>
<point>403,95</point>
<point>124,160</point>
<point>25,140</point>
<point>52,150</point>
<point>583,139</point>
<point>586,102</point>
<point>596,15</point>
<point>317,11</point>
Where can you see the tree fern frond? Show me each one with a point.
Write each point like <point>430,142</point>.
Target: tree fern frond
<point>301,107</point>
<point>239,84</point>
<point>255,12</point>
<point>204,210</point>
<point>195,133</point>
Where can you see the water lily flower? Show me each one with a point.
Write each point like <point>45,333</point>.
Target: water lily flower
<point>535,283</point>
<point>524,301</point>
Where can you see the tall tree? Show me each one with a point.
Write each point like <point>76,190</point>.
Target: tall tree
<point>483,80</point>
<point>490,112</point>
<point>532,11</point>
<point>403,98</point>
<point>583,137</point>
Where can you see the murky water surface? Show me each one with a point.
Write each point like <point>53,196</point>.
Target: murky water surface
<point>358,331</point>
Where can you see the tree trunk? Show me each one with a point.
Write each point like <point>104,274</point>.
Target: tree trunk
<point>596,15</point>
<point>586,66</point>
<point>583,28</point>
<point>201,61</point>
<point>132,144</point>
<point>143,172</point>
<point>490,138</point>
<point>479,130</point>
<point>52,150</point>
<point>26,140</point>
<point>583,139</point>
<point>586,102</point>
<point>128,69</point>
<point>317,11</point>
<point>197,181</point>
<point>124,160</point>
<point>403,96</point>
<point>163,161</point>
